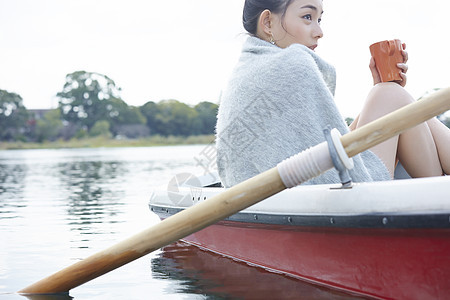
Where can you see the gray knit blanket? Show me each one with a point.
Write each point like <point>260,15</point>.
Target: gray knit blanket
<point>276,104</point>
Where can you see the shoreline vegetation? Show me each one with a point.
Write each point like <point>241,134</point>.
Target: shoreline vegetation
<point>105,142</point>
<point>90,106</point>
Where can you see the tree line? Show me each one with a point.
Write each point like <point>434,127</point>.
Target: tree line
<point>90,104</point>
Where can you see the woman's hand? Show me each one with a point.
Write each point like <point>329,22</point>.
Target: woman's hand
<point>375,75</point>
<point>402,66</point>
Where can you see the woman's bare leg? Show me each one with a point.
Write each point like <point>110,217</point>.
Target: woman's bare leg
<point>415,148</point>
<point>441,135</point>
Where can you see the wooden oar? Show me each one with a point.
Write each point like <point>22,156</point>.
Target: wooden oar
<point>230,201</point>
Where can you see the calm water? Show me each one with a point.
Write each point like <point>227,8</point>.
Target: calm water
<point>59,206</point>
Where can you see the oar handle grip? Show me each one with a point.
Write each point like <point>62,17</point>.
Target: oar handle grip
<point>305,165</point>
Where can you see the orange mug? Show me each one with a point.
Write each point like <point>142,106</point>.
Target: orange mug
<point>387,54</point>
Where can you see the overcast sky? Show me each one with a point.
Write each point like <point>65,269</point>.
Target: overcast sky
<point>186,50</point>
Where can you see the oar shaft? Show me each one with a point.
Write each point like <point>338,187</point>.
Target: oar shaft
<point>229,202</point>
<point>171,229</point>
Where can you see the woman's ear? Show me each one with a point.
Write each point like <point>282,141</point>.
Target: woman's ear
<point>264,29</point>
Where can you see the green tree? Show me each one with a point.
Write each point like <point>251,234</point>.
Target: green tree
<point>175,118</point>
<point>349,121</point>
<point>207,117</point>
<point>171,117</point>
<point>88,97</point>
<point>50,126</point>
<point>13,116</point>
<point>150,110</point>
<point>81,133</point>
<point>122,113</point>
<point>100,128</point>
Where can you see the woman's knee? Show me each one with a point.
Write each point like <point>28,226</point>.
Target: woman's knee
<point>386,97</point>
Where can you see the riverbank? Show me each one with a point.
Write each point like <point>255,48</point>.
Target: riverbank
<point>97,142</point>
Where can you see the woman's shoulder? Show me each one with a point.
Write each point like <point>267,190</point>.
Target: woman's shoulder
<point>299,49</point>
<point>296,53</point>
<point>297,59</point>
<point>270,65</point>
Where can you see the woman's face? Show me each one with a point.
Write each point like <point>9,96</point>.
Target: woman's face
<point>300,24</point>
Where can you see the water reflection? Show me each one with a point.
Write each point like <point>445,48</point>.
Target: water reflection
<point>64,296</point>
<point>203,272</point>
<point>94,197</point>
<point>11,189</point>
<point>91,188</point>
<point>59,206</point>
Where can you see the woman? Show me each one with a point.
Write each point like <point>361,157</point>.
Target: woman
<point>280,98</point>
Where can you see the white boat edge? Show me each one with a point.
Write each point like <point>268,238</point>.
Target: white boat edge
<point>408,196</point>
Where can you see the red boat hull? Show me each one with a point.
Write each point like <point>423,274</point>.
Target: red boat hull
<point>383,263</point>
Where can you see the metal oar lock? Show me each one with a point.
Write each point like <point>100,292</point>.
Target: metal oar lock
<point>342,163</point>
